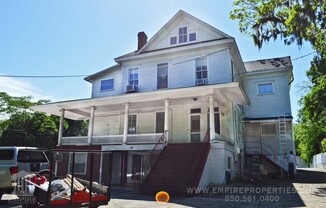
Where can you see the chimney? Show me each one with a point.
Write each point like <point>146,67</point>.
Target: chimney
<point>142,40</point>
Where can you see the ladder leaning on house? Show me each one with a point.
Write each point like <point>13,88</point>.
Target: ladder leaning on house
<point>282,134</point>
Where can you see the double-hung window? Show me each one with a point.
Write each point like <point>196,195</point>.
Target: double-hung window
<point>265,88</point>
<point>183,35</point>
<point>162,76</point>
<point>107,84</point>
<point>201,70</point>
<point>132,124</point>
<point>133,76</point>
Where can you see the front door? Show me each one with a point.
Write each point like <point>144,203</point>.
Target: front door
<point>195,128</point>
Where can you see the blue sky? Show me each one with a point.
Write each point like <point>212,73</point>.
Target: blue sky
<point>79,37</point>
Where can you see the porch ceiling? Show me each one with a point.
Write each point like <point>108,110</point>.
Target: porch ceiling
<point>79,109</point>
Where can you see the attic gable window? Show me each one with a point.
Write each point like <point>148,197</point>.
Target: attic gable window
<point>183,35</point>
<point>107,84</point>
<point>173,40</point>
<point>192,37</point>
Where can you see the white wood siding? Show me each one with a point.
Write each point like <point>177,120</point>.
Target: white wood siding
<point>219,68</point>
<point>268,105</point>
<point>182,73</point>
<point>202,34</point>
<point>180,127</point>
<point>146,122</point>
<point>96,84</point>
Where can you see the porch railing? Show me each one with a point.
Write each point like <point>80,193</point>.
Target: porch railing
<point>259,147</point>
<point>112,139</point>
<point>153,156</point>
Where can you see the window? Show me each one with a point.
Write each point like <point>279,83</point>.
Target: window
<point>26,156</point>
<point>132,120</point>
<point>107,84</point>
<point>182,34</point>
<point>268,129</point>
<point>133,76</point>
<point>192,36</point>
<point>159,122</point>
<point>162,76</point>
<point>201,68</point>
<point>195,110</point>
<point>229,163</point>
<point>265,88</point>
<point>232,71</point>
<point>173,40</point>
<point>80,163</point>
<point>7,154</point>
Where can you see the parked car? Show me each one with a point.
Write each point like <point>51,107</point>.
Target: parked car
<point>16,162</point>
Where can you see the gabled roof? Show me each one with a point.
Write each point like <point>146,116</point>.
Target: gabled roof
<point>168,26</point>
<point>180,14</point>
<point>269,64</point>
<point>100,73</point>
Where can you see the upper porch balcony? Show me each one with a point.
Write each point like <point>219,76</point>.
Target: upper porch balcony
<point>185,115</point>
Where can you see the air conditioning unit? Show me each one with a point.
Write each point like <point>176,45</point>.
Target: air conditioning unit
<point>132,88</point>
<point>201,81</point>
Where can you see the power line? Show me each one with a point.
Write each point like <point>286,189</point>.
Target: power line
<point>300,57</point>
<point>83,75</point>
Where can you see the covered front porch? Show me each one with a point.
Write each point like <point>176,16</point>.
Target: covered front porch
<point>139,119</point>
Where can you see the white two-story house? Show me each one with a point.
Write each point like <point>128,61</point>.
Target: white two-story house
<point>187,94</point>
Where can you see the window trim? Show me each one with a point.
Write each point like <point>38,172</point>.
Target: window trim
<point>85,164</point>
<point>192,34</point>
<point>136,125</point>
<point>167,84</point>
<point>155,119</point>
<point>113,85</point>
<point>176,40</point>
<point>267,93</point>
<point>207,69</point>
<point>229,163</point>
<point>184,35</point>
<point>129,70</point>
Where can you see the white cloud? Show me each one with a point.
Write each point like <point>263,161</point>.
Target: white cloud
<point>15,87</point>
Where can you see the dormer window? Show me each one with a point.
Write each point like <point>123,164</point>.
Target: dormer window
<point>183,35</point>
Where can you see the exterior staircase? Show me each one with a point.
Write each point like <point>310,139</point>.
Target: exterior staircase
<point>178,166</point>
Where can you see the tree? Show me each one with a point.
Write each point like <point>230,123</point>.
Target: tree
<point>23,127</point>
<point>291,20</point>
<point>294,21</point>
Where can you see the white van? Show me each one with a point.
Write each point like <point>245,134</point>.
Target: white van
<point>15,162</point>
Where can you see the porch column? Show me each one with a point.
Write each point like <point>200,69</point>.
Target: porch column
<point>61,127</point>
<point>125,125</point>
<point>166,119</point>
<point>211,118</point>
<point>91,125</point>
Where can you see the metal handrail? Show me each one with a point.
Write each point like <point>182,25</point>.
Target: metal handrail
<point>273,153</point>
<point>194,176</point>
<point>149,159</point>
